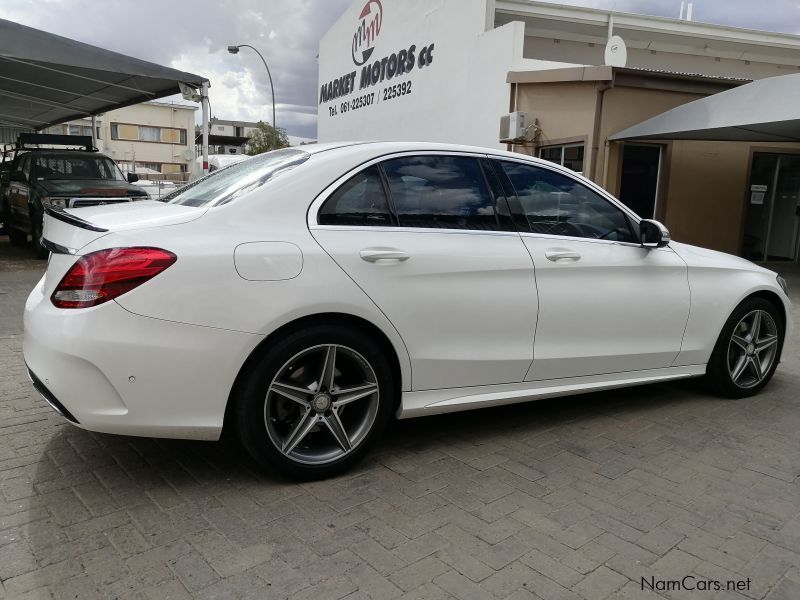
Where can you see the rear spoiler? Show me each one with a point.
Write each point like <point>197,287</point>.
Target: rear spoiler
<point>62,215</point>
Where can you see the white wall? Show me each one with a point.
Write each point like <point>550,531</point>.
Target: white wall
<point>458,98</point>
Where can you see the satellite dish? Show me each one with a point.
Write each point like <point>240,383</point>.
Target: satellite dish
<point>188,154</point>
<point>616,52</point>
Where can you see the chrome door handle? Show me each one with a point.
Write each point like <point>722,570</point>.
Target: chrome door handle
<point>562,255</point>
<point>375,254</point>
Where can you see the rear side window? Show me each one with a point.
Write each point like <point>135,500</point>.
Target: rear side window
<point>361,200</point>
<point>447,192</point>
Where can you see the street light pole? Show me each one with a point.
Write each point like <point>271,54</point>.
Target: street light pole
<point>235,50</point>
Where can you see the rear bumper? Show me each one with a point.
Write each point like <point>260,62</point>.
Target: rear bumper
<point>109,370</point>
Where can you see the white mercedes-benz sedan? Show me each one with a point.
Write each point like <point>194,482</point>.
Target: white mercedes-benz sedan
<point>304,297</point>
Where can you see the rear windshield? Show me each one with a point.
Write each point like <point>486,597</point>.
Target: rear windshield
<point>56,166</point>
<point>234,181</point>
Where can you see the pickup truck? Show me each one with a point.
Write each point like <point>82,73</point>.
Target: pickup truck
<point>39,178</point>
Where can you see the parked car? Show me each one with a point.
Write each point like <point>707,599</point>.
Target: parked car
<point>64,178</point>
<point>306,296</point>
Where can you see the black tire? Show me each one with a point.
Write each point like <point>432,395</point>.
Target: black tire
<point>16,236</point>
<point>36,237</point>
<point>718,376</point>
<point>250,398</point>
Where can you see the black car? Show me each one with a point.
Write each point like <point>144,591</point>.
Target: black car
<point>60,179</point>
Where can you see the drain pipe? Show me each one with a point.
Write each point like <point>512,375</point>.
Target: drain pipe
<point>598,113</point>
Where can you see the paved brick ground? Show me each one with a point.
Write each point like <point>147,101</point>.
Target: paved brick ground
<point>580,497</point>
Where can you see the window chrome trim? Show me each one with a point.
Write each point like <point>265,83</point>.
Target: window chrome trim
<point>390,229</point>
<point>548,236</point>
<point>316,204</point>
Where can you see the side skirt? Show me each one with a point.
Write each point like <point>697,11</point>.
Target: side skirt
<point>433,402</point>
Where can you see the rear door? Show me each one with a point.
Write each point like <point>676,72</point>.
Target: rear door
<point>606,304</point>
<point>429,239</point>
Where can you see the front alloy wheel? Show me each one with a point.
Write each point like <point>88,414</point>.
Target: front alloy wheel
<point>752,349</point>
<point>312,403</point>
<point>747,351</point>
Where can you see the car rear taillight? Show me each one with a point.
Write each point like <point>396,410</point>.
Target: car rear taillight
<point>103,275</point>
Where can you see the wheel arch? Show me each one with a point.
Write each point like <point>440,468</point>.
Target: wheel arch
<point>772,298</point>
<point>327,318</point>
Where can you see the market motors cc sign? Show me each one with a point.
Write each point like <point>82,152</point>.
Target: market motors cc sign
<point>369,27</point>
<point>373,72</point>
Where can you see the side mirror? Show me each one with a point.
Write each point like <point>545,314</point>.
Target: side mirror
<point>653,234</point>
<point>133,178</point>
<point>18,176</point>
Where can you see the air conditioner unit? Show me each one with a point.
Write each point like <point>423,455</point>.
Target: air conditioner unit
<point>513,127</point>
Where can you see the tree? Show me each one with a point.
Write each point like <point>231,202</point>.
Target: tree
<point>266,138</point>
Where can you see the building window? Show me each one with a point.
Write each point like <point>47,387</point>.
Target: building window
<point>149,134</point>
<point>72,130</point>
<point>570,156</point>
<point>146,133</point>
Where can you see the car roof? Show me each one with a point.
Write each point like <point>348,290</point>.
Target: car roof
<point>384,147</point>
<point>380,148</point>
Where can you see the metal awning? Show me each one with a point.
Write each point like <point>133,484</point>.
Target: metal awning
<point>767,110</point>
<point>47,79</point>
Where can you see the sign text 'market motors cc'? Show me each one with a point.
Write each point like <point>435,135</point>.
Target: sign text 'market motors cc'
<point>372,71</point>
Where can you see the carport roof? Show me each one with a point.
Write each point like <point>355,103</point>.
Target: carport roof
<point>47,79</point>
<point>766,110</point>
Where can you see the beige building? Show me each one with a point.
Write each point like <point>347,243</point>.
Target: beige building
<point>155,135</point>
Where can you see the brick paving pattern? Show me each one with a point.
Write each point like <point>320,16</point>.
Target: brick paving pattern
<point>578,497</point>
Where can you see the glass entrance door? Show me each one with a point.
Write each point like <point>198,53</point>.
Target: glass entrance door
<point>772,224</point>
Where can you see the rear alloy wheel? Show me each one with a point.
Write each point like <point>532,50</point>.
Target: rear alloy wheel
<point>313,404</point>
<point>747,352</point>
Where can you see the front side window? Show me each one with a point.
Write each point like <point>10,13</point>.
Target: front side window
<point>555,204</point>
<point>361,200</point>
<point>447,192</point>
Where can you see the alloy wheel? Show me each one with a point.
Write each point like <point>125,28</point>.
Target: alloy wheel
<point>752,349</point>
<point>321,404</point>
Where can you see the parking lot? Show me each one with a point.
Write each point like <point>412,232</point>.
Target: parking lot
<point>579,497</point>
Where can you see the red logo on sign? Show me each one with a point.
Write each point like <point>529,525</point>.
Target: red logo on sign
<point>369,26</point>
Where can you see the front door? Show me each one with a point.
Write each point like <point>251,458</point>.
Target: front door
<point>606,304</point>
<point>444,264</point>
<point>772,222</point>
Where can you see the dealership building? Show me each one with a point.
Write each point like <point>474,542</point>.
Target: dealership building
<point>573,85</point>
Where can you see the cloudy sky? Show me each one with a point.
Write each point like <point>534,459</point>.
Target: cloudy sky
<point>181,34</point>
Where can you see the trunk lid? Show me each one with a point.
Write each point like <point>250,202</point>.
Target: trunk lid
<point>69,230</point>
